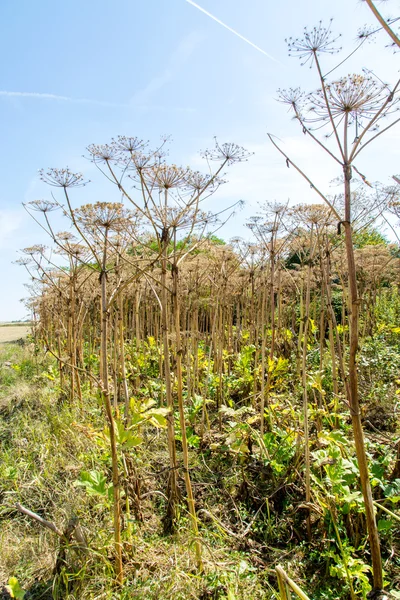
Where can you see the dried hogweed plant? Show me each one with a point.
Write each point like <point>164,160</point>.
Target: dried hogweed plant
<point>353,111</point>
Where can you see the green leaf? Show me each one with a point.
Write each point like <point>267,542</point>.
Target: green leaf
<point>384,525</point>
<point>350,497</point>
<point>125,437</point>
<point>14,589</point>
<point>393,489</point>
<point>158,420</point>
<point>94,482</point>
<point>194,441</point>
<point>132,440</point>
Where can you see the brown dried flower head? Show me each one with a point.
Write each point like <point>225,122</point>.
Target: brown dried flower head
<point>43,205</point>
<point>315,41</point>
<point>36,249</point>
<point>63,178</point>
<point>102,215</point>
<point>102,153</point>
<point>227,152</point>
<point>167,176</point>
<point>356,96</point>
<point>294,97</point>
<point>125,143</point>
<point>66,236</point>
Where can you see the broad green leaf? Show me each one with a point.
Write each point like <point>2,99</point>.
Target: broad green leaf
<point>94,482</point>
<point>384,525</point>
<point>14,589</point>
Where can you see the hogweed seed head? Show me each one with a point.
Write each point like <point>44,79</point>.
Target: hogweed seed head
<point>167,176</point>
<point>66,236</point>
<point>125,143</point>
<point>63,178</point>
<point>36,249</point>
<point>315,41</point>
<point>102,153</point>
<point>198,181</point>
<point>356,96</point>
<point>103,215</point>
<point>294,97</point>
<point>229,152</point>
<point>43,206</point>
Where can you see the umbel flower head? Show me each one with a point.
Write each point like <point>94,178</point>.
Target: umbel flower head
<point>63,178</point>
<point>294,97</point>
<point>125,143</point>
<point>102,215</point>
<point>36,249</point>
<point>43,206</point>
<point>356,96</point>
<point>167,176</point>
<point>228,152</point>
<point>116,149</point>
<point>315,41</point>
<point>198,181</point>
<point>102,153</point>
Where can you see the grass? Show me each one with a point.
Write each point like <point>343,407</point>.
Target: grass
<point>250,517</point>
<point>43,453</point>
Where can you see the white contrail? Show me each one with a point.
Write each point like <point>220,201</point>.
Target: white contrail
<point>231,30</point>
<point>45,96</point>
<point>105,103</point>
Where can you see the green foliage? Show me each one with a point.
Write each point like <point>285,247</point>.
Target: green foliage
<point>147,412</point>
<point>95,484</point>
<point>347,567</point>
<point>249,489</point>
<point>368,236</point>
<point>14,589</point>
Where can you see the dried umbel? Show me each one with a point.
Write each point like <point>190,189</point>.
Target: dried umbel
<point>386,24</point>
<point>102,215</point>
<point>199,181</point>
<point>138,162</point>
<point>294,97</point>
<point>319,215</point>
<point>356,96</point>
<point>43,206</point>
<point>65,236</point>
<point>128,144</point>
<point>78,251</point>
<point>315,41</point>
<point>62,178</point>
<point>23,262</point>
<point>36,249</point>
<point>166,177</point>
<point>102,153</point>
<point>228,152</point>
<point>262,229</point>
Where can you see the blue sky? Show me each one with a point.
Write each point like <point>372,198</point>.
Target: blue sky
<point>78,72</point>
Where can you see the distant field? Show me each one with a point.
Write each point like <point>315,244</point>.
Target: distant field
<point>13,332</point>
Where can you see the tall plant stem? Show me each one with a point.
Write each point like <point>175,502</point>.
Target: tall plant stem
<point>173,493</point>
<point>122,356</point>
<point>353,398</point>
<point>185,451</point>
<point>382,21</point>
<point>111,427</point>
<point>304,385</point>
